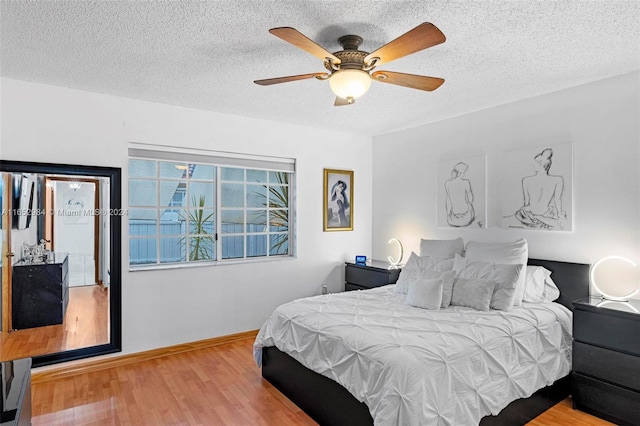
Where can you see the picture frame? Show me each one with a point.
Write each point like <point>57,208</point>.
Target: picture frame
<point>537,188</point>
<point>338,200</point>
<point>462,187</point>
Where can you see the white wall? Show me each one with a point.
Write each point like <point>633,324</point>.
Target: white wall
<point>601,119</point>
<point>167,307</point>
<point>76,235</point>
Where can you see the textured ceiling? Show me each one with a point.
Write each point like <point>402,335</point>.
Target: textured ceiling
<point>206,54</point>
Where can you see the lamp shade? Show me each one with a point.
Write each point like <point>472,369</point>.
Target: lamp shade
<point>350,83</point>
<point>393,261</point>
<point>615,277</point>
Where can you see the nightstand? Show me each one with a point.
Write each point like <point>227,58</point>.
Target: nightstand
<point>606,359</point>
<point>372,274</point>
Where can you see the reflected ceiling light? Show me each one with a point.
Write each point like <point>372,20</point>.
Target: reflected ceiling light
<point>391,259</point>
<point>181,167</point>
<point>613,271</point>
<point>350,84</point>
<point>75,186</point>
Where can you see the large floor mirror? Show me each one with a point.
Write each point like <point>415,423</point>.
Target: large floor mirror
<point>61,262</point>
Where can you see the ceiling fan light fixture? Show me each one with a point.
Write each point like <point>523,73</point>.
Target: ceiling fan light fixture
<point>350,70</point>
<point>350,83</point>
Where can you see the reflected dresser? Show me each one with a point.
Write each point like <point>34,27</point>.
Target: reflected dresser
<point>40,292</point>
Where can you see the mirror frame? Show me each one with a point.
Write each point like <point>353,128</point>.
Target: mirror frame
<point>115,254</point>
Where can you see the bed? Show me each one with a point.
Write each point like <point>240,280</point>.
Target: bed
<point>324,395</point>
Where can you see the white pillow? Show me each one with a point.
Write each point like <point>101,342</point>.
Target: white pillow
<point>515,252</point>
<point>421,267</point>
<point>442,249</point>
<point>425,294</point>
<point>447,287</point>
<point>505,278</point>
<point>408,274</point>
<point>539,287</point>
<point>473,293</point>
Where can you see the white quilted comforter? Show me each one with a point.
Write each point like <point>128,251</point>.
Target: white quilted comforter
<point>412,366</point>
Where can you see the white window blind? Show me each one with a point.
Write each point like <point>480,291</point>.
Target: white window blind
<point>219,158</point>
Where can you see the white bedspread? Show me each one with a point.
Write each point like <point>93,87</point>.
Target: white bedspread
<point>417,367</point>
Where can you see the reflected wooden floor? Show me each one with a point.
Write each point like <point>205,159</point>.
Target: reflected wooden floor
<point>86,323</point>
<point>220,385</point>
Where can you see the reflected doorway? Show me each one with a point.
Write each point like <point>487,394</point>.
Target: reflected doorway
<point>76,235</point>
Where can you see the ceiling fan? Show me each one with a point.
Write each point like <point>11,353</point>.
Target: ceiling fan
<point>351,70</point>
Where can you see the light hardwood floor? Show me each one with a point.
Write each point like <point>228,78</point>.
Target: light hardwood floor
<point>86,323</point>
<point>220,385</point>
<point>563,414</point>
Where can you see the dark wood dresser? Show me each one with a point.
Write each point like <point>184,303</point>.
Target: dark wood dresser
<point>40,292</point>
<point>606,359</point>
<point>375,273</point>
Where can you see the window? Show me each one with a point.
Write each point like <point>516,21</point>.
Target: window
<point>209,210</point>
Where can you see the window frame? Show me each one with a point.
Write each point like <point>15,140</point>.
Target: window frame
<point>217,209</point>
<point>268,233</point>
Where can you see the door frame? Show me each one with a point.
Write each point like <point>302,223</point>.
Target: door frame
<point>49,220</point>
<point>7,253</point>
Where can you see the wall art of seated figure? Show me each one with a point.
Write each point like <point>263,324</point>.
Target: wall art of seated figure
<point>461,193</point>
<point>536,189</point>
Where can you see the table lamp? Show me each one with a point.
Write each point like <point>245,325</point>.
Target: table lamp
<point>391,259</point>
<point>615,278</point>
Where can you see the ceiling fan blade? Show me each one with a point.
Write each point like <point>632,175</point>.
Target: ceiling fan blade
<point>421,37</point>
<point>342,101</point>
<point>420,82</point>
<point>295,37</point>
<point>270,81</point>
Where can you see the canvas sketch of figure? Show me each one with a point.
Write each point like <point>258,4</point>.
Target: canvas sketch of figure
<point>339,204</point>
<point>542,196</point>
<point>459,197</point>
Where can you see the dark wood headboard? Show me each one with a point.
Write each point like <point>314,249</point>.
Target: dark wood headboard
<point>571,278</point>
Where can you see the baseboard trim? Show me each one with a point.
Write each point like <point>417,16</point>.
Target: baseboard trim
<point>92,365</point>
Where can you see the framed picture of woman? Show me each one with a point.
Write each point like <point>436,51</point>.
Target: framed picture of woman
<point>537,189</point>
<point>338,200</point>
<point>462,193</point>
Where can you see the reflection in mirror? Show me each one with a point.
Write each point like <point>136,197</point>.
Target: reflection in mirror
<point>60,261</point>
